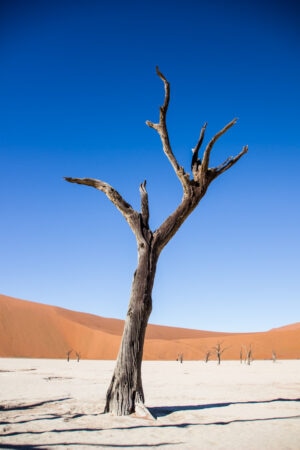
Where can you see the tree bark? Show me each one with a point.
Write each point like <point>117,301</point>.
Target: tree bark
<point>126,389</point>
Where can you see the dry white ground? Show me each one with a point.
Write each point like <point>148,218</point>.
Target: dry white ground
<point>53,404</point>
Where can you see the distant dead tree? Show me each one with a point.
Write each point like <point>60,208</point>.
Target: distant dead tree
<point>207,356</point>
<point>241,355</point>
<point>274,356</point>
<point>78,356</point>
<point>219,351</point>
<point>249,355</point>
<point>180,357</point>
<point>125,390</point>
<point>68,354</point>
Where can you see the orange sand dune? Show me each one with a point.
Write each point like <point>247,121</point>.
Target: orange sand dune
<point>34,330</point>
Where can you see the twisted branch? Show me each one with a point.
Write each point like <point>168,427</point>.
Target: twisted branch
<point>161,129</point>
<point>206,155</point>
<point>195,161</point>
<point>228,163</point>
<point>144,204</point>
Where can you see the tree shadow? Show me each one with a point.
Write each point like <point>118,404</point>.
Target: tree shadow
<point>162,411</point>
<point>263,419</point>
<point>87,444</point>
<point>31,405</point>
<point>66,417</point>
<point>156,412</point>
<point>23,447</point>
<point>54,430</point>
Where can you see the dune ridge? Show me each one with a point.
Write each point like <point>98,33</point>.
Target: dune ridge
<point>35,330</point>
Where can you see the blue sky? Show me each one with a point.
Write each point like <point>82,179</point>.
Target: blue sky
<point>78,82</point>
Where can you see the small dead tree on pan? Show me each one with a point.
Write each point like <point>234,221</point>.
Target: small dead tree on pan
<point>69,354</point>
<point>207,356</point>
<point>241,355</point>
<point>180,357</point>
<point>125,390</point>
<point>249,355</point>
<point>219,350</point>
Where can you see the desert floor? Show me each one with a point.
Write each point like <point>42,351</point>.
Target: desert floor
<point>53,404</point>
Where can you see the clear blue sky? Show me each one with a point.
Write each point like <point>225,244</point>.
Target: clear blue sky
<point>78,82</point>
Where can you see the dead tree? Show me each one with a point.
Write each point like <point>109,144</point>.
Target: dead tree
<point>78,356</point>
<point>219,351</point>
<point>125,390</point>
<point>180,357</point>
<point>249,355</point>
<point>207,356</point>
<point>274,356</point>
<point>68,354</point>
<point>241,355</point>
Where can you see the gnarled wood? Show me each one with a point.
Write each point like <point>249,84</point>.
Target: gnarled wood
<point>195,161</point>
<point>126,390</point>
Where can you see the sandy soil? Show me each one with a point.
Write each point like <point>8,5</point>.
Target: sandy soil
<point>53,404</point>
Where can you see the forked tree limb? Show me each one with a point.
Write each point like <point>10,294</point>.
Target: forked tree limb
<point>201,172</point>
<point>216,171</point>
<point>203,175</point>
<point>206,155</point>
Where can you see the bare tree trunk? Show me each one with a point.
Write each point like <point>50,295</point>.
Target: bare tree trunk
<point>126,389</point>
<point>207,356</point>
<point>219,351</point>
<point>249,358</point>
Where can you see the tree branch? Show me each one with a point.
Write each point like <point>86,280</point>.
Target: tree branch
<point>216,171</point>
<point>197,190</point>
<point>195,161</point>
<point>171,225</point>
<point>125,208</point>
<point>165,106</point>
<point>144,204</point>
<point>193,189</point>
<point>206,155</point>
<point>161,129</point>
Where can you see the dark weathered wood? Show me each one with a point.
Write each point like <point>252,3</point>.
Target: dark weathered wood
<point>195,161</point>
<point>126,391</point>
<point>219,351</point>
